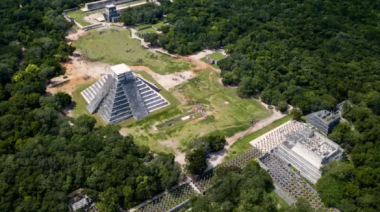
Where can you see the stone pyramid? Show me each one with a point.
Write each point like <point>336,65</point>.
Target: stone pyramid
<point>121,95</point>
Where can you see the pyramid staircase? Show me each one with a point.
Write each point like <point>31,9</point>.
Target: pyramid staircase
<point>121,95</point>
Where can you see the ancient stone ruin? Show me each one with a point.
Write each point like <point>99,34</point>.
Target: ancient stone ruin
<point>123,94</point>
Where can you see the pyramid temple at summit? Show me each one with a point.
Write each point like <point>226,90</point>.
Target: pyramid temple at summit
<point>123,94</point>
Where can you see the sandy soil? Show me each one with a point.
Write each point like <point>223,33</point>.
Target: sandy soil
<point>123,132</point>
<point>168,80</point>
<point>92,18</point>
<point>180,158</point>
<point>76,70</point>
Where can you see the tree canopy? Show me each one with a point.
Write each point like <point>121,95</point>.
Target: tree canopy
<point>308,53</point>
<point>246,189</point>
<point>43,155</point>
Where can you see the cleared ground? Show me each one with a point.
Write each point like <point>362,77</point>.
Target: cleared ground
<point>79,16</point>
<point>226,112</point>
<point>117,47</point>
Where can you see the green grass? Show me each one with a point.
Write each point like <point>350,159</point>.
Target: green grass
<point>80,103</point>
<point>159,24</point>
<point>79,16</point>
<point>216,56</point>
<point>293,168</point>
<point>280,203</point>
<point>243,145</point>
<point>226,118</point>
<point>149,30</point>
<point>111,47</point>
<point>142,26</point>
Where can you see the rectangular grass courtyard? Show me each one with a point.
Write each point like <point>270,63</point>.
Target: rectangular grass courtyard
<point>118,47</point>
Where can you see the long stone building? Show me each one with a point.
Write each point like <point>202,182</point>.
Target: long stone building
<point>96,5</point>
<point>323,120</point>
<point>122,95</point>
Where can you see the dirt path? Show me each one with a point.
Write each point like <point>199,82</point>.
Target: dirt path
<point>216,158</point>
<point>262,123</point>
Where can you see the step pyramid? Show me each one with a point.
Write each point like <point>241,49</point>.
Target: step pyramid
<point>121,95</point>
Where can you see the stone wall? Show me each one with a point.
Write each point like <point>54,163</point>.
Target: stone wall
<point>101,4</point>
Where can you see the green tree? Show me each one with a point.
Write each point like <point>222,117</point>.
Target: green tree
<point>196,161</point>
<point>283,106</point>
<point>296,113</point>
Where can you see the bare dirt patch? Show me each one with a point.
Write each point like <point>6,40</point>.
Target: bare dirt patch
<point>76,71</point>
<point>123,132</point>
<point>172,143</point>
<point>168,80</point>
<point>93,18</point>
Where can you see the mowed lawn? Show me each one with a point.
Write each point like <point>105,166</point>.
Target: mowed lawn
<point>243,144</point>
<point>228,114</point>
<point>79,16</point>
<point>118,47</point>
<point>217,56</point>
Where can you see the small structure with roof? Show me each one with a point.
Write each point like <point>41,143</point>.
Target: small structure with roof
<point>111,14</point>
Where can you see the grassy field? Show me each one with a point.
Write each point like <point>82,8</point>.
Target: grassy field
<point>243,145</point>
<point>227,113</point>
<point>159,24</point>
<point>149,30</point>
<point>142,26</point>
<point>118,47</point>
<point>79,16</point>
<point>216,56</point>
